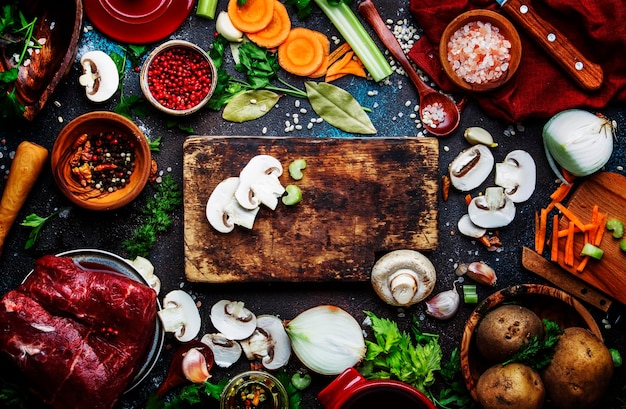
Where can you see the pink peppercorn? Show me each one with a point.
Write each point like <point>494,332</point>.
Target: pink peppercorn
<point>179,78</point>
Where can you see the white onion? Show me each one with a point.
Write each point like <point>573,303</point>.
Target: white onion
<point>579,141</point>
<point>326,339</point>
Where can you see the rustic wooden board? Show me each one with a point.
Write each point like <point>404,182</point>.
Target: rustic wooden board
<point>608,191</point>
<point>361,197</point>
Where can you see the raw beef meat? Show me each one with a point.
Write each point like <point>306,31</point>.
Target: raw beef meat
<point>78,335</point>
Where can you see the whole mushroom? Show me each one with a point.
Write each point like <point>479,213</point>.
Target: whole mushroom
<point>403,277</point>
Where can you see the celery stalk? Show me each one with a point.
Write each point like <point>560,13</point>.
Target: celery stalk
<point>206,8</point>
<point>349,26</point>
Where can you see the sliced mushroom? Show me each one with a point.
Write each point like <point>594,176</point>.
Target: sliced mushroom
<point>146,270</point>
<point>180,315</point>
<point>233,319</point>
<point>517,175</point>
<point>100,77</point>
<point>224,211</point>
<point>492,210</point>
<point>468,228</point>
<point>403,277</point>
<point>269,343</point>
<point>259,184</point>
<point>471,167</point>
<point>225,351</point>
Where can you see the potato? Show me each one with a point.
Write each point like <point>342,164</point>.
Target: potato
<point>510,386</point>
<point>580,371</point>
<point>502,331</point>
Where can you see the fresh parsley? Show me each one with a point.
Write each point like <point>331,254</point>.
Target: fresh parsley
<point>166,199</point>
<point>538,352</point>
<point>304,8</point>
<point>131,104</point>
<point>36,222</point>
<point>453,393</point>
<point>188,396</point>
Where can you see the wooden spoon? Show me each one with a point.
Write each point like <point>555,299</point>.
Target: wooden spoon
<point>428,96</point>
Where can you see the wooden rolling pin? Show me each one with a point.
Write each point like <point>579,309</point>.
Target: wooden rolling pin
<point>27,164</point>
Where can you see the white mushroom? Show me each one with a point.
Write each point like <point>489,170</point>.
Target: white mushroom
<point>468,228</point>
<point>233,319</point>
<point>259,184</point>
<point>180,315</point>
<point>146,269</point>
<point>224,211</point>
<point>100,77</point>
<point>403,277</point>
<point>517,175</point>
<point>492,210</point>
<point>471,167</point>
<point>225,351</point>
<point>269,343</point>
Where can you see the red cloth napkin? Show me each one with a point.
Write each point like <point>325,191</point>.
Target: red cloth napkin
<point>539,89</point>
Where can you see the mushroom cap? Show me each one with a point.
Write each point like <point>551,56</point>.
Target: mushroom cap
<point>517,174</point>
<point>269,343</point>
<point>492,210</point>
<point>100,77</point>
<point>467,227</point>
<point>233,319</point>
<point>225,351</point>
<point>224,212</point>
<point>471,167</point>
<point>180,315</point>
<point>403,277</point>
<point>146,270</point>
<point>258,182</point>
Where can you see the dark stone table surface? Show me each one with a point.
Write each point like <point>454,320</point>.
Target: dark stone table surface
<point>78,228</point>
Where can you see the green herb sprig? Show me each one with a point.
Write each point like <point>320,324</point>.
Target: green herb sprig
<point>36,222</point>
<point>166,199</point>
<point>538,352</point>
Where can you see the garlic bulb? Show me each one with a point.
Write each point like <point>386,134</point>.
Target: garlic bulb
<point>579,141</point>
<point>326,339</point>
<point>444,305</point>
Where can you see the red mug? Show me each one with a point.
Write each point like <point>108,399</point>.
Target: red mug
<point>350,390</point>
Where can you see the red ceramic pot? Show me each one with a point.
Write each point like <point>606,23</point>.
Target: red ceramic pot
<point>350,390</point>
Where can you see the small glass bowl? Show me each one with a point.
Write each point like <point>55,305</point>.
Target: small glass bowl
<point>271,394</point>
<point>176,46</point>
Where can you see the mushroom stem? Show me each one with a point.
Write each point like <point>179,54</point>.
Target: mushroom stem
<point>403,285</point>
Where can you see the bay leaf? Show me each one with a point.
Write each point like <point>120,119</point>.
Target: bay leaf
<point>250,105</point>
<point>339,108</point>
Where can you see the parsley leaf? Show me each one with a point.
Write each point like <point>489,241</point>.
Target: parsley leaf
<point>166,199</point>
<point>36,222</point>
<point>538,352</point>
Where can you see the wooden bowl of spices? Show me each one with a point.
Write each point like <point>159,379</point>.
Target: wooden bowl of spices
<point>101,161</point>
<point>178,77</point>
<point>480,50</point>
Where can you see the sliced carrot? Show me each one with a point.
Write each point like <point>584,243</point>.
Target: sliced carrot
<point>537,230</point>
<point>338,53</point>
<point>253,16</point>
<point>301,53</point>
<point>323,68</point>
<point>277,31</point>
<point>597,239</point>
<point>571,216</point>
<point>468,199</point>
<point>349,64</point>
<point>569,245</point>
<point>583,263</point>
<point>541,231</point>
<point>554,250</point>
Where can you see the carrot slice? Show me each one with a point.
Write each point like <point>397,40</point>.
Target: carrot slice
<point>348,64</point>
<point>277,31</point>
<point>541,230</point>
<point>338,53</point>
<point>554,250</point>
<point>569,245</point>
<point>253,16</point>
<point>301,53</point>
<point>571,216</point>
<point>323,68</point>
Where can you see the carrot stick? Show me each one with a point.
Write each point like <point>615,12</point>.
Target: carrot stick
<point>583,263</point>
<point>554,253</point>
<point>338,53</point>
<point>570,215</point>
<point>602,218</point>
<point>537,229</point>
<point>541,230</point>
<point>569,246</point>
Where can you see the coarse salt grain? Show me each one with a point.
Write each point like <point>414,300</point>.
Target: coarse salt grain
<point>478,53</point>
<point>433,114</point>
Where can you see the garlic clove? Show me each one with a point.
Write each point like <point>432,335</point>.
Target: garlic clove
<point>195,366</point>
<point>478,271</point>
<point>477,135</point>
<point>225,27</point>
<point>444,305</point>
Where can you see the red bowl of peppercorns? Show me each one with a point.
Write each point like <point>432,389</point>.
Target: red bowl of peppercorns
<point>101,161</point>
<point>178,77</point>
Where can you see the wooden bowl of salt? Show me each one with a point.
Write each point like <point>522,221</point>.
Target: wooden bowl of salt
<point>480,50</point>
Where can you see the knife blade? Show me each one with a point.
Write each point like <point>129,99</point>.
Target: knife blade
<point>535,262</point>
<point>585,73</point>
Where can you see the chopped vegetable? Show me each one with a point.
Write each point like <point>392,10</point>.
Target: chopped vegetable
<point>348,64</point>
<point>300,380</point>
<point>277,31</point>
<point>569,245</point>
<point>470,296</point>
<point>622,245</point>
<point>294,195</point>
<point>616,356</point>
<point>301,53</point>
<point>616,226</point>
<point>252,16</point>
<point>206,8</point>
<point>554,250</point>
<point>592,251</point>
<point>541,229</point>
<point>296,167</point>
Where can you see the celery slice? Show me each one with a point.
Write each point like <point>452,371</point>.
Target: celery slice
<point>616,226</point>
<point>206,8</point>
<point>592,251</point>
<point>349,26</point>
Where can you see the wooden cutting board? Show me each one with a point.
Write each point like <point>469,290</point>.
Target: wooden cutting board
<point>361,197</point>
<point>608,191</point>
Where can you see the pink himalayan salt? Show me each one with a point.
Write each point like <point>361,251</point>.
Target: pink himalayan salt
<point>479,53</point>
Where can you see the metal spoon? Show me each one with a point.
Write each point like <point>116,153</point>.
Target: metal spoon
<point>428,96</point>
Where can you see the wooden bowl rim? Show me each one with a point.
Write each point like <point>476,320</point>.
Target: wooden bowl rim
<point>506,28</point>
<point>114,200</point>
<point>143,81</point>
<point>494,300</point>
